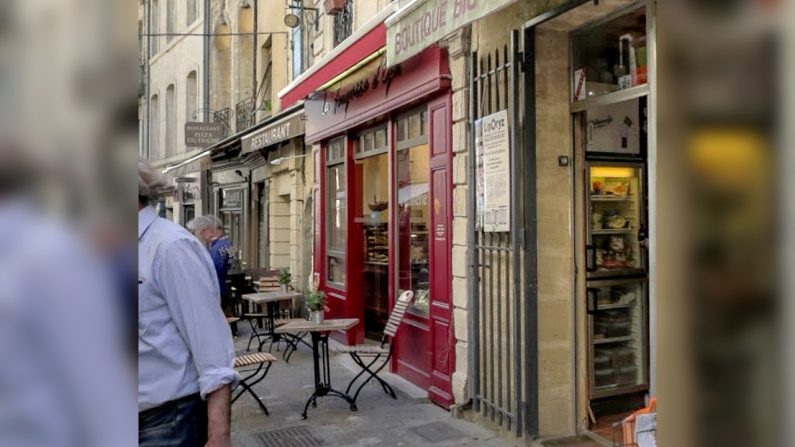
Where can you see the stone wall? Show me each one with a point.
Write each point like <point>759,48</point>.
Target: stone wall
<point>171,65</point>
<point>458,51</point>
<point>556,343</point>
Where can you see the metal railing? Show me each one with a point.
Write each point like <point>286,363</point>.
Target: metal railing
<point>502,313</point>
<point>245,114</point>
<point>343,23</point>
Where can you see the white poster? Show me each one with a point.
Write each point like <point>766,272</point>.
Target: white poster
<point>496,172</point>
<point>479,181</point>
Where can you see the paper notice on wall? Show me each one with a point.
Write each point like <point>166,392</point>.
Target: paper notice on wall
<point>479,180</point>
<point>496,172</point>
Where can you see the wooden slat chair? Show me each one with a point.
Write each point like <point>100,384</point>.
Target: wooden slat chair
<point>263,360</point>
<point>265,284</point>
<point>378,352</point>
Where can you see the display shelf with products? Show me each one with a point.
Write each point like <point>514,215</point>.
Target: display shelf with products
<point>377,244</point>
<point>615,219</point>
<point>617,336</point>
<point>610,56</point>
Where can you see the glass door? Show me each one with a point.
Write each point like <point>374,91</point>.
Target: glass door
<point>616,225</point>
<point>617,337</point>
<point>371,168</point>
<point>413,210</point>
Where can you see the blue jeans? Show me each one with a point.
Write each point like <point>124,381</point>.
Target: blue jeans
<point>179,423</point>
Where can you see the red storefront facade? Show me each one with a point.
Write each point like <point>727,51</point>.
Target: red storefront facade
<point>383,200</point>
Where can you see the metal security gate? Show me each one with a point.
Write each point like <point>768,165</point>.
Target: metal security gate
<point>502,266</point>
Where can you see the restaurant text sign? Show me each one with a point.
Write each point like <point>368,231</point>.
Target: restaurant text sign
<point>277,132</point>
<point>427,23</point>
<point>203,134</point>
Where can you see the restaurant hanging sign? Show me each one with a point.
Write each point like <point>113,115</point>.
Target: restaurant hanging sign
<point>409,33</point>
<point>200,134</point>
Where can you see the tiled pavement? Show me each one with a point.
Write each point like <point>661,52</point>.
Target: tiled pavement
<point>381,421</point>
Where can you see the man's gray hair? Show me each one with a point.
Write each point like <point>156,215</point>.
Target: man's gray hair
<point>150,183</point>
<point>200,223</point>
<point>217,222</point>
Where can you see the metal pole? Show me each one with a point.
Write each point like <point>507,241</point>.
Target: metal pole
<point>530,239</point>
<point>148,89</point>
<point>472,283</point>
<point>254,60</point>
<point>206,61</point>
<point>515,239</point>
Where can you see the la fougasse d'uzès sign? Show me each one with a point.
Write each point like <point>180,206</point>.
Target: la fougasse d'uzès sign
<point>412,32</point>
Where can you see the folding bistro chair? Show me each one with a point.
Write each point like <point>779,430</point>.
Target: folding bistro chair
<point>292,340</point>
<point>376,353</point>
<point>263,360</point>
<point>268,283</point>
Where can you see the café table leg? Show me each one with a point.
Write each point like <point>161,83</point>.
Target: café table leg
<point>323,374</point>
<point>271,329</point>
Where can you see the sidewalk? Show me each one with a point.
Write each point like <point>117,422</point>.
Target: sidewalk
<point>381,421</point>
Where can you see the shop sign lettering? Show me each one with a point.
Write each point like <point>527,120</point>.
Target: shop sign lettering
<point>342,98</point>
<point>412,32</point>
<point>203,134</point>
<point>282,130</point>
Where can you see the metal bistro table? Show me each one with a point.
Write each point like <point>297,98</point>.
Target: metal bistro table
<point>320,352</point>
<point>271,299</point>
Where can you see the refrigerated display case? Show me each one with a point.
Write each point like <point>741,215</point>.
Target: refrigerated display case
<point>616,227</point>
<point>617,336</point>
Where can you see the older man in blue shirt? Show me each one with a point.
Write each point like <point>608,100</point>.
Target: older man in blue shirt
<point>185,351</point>
<point>210,231</point>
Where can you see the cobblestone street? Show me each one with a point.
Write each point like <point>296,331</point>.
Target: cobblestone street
<point>411,420</point>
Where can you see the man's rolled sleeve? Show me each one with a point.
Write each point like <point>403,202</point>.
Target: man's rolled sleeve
<point>187,279</point>
<point>213,379</point>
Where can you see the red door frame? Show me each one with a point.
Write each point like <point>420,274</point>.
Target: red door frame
<point>345,302</point>
<point>441,308</point>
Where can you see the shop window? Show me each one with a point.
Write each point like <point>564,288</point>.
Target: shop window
<point>335,152</point>
<point>336,216</point>
<point>413,211</point>
<point>412,128</point>
<point>610,55</point>
<point>370,142</point>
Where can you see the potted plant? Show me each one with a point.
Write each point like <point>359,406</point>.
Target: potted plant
<point>316,304</point>
<point>285,278</point>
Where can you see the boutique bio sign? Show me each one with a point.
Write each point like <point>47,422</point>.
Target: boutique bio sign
<point>411,32</point>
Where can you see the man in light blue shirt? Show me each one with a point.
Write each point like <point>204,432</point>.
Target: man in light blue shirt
<point>185,351</point>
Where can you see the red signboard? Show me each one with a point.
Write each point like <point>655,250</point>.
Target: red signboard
<point>376,91</point>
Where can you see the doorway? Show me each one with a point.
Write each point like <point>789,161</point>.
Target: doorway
<point>371,208</point>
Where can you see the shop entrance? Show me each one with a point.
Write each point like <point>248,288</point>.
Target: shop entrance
<point>371,216</point>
